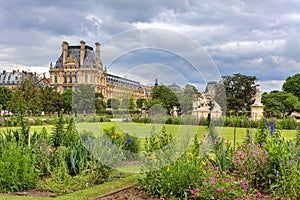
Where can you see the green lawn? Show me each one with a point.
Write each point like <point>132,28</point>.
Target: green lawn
<point>142,130</point>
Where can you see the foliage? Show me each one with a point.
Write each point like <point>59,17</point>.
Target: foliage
<point>214,184</point>
<point>67,99</point>
<point>240,90</point>
<point>113,103</point>
<point>5,95</point>
<point>297,138</point>
<point>62,182</point>
<point>125,141</point>
<point>252,162</point>
<point>292,84</point>
<point>83,100</point>
<point>280,103</point>
<point>262,132</point>
<point>165,97</point>
<point>186,98</point>
<point>173,180</point>
<point>17,168</point>
<point>140,103</point>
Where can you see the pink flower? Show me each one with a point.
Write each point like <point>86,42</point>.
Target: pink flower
<point>258,195</point>
<point>216,168</point>
<point>224,197</point>
<point>192,191</point>
<point>227,171</point>
<point>245,187</point>
<point>220,190</point>
<point>196,195</point>
<point>238,198</point>
<point>213,179</point>
<point>204,181</point>
<point>196,189</point>
<point>234,171</point>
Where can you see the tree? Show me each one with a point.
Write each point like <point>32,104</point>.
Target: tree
<point>83,100</point>
<point>5,96</point>
<point>140,103</point>
<point>187,97</point>
<point>240,90</point>
<point>131,105</point>
<point>67,97</point>
<point>100,104</point>
<point>165,96</point>
<point>292,85</point>
<point>113,103</point>
<point>280,102</point>
<point>51,101</point>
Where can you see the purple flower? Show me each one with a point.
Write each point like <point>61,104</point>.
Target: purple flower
<point>120,173</point>
<point>43,142</point>
<point>272,127</point>
<point>295,152</point>
<point>293,162</point>
<point>89,141</point>
<point>220,190</point>
<point>270,181</point>
<point>128,142</point>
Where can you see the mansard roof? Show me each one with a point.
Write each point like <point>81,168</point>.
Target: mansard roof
<point>122,81</point>
<point>10,78</point>
<point>89,57</point>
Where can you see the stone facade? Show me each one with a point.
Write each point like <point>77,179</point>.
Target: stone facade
<point>81,65</point>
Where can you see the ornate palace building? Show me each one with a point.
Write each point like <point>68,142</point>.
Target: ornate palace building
<point>81,65</point>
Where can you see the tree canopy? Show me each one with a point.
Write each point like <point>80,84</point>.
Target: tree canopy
<point>240,90</point>
<point>280,102</point>
<point>292,85</point>
<point>5,95</point>
<point>165,97</point>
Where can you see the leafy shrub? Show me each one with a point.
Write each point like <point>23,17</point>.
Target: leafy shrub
<point>38,121</point>
<point>214,184</point>
<point>17,168</point>
<point>125,141</point>
<point>252,162</point>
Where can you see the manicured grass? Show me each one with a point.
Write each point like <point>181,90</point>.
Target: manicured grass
<point>32,128</point>
<point>142,130</point>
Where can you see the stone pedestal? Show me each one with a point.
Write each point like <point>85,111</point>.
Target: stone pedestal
<point>257,111</point>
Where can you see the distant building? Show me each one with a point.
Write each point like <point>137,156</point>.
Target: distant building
<point>174,87</point>
<point>81,65</point>
<point>12,79</point>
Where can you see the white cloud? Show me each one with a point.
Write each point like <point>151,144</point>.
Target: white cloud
<point>255,38</point>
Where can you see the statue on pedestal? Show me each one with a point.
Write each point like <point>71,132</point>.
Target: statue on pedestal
<point>258,95</point>
<point>257,109</point>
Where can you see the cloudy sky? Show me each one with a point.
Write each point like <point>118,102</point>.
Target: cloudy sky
<point>259,38</point>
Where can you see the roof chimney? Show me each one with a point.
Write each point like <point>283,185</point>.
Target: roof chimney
<point>82,52</point>
<point>65,51</point>
<point>97,51</point>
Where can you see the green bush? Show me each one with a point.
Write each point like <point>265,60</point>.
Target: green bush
<point>17,168</point>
